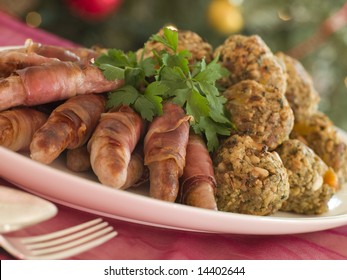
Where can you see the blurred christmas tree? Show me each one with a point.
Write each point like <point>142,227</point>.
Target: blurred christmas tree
<point>127,24</point>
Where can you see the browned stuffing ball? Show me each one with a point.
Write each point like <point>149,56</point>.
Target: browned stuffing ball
<point>249,58</point>
<point>250,180</point>
<point>300,92</point>
<point>309,179</point>
<point>319,133</point>
<point>265,116</point>
<point>187,40</point>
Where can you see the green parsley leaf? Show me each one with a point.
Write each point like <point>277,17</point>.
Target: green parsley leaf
<point>134,76</point>
<point>117,58</point>
<point>170,76</point>
<point>216,101</point>
<point>149,66</point>
<point>126,95</point>
<point>211,72</point>
<point>197,105</point>
<point>117,64</point>
<point>178,60</point>
<point>170,38</point>
<point>156,88</point>
<point>145,107</point>
<point>153,92</point>
<point>181,96</point>
<point>111,72</point>
<point>211,129</point>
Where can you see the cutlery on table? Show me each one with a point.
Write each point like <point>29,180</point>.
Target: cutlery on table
<point>60,244</point>
<point>19,209</point>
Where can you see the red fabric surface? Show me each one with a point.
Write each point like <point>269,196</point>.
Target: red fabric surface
<point>136,241</point>
<point>14,32</point>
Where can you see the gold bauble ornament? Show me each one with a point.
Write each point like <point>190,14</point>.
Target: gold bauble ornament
<point>225,16</point>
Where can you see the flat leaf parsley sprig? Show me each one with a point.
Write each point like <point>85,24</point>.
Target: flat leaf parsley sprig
<point>168,75</point>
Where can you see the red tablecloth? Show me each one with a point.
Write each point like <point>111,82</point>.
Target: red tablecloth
<point>144,242</point>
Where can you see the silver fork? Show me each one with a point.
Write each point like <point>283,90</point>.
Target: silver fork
<point>60,244</point>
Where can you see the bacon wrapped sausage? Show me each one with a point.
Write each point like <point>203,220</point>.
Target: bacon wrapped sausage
<point>137,173</point>
<point>112,143</point>
<point>78,160</point>
<point>165,151</point>
<point>51,82</point>
<point>36,54</point>
<point>198,183</point>
<point>12,60</point>
<point>17,127</point>
<point>69,126</point>
<point>77,54</point>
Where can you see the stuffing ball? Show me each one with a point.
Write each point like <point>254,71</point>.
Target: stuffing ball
<point>318,132</point>
<point>300,92</point>
<point>250,180</point>
<point>312,183</point>
<point>263,115</point>
<point>187,40</point>
<point>249,58</point>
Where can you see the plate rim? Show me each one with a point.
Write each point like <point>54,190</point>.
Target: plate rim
<point>283,225</point>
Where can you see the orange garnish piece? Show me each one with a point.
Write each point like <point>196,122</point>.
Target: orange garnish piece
<point>331,179</point>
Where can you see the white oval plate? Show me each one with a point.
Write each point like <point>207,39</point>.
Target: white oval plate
<point>83,192</point>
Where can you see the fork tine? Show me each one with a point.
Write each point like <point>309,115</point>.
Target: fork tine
<point>74,243</point>
<point>59,233</point>
<point>76,250</point>
<point>61,244</point>
<point>64,238</point>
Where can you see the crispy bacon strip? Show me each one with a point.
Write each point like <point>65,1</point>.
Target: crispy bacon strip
<point>70,126</point>
<point>17,127</point>
<point>77,54</point>
<point>12,60</point>
<point>137,173</point>
<point>112,143</point>
<point>165,151</point>
<point>198,183</point>
<point>51,82</point>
